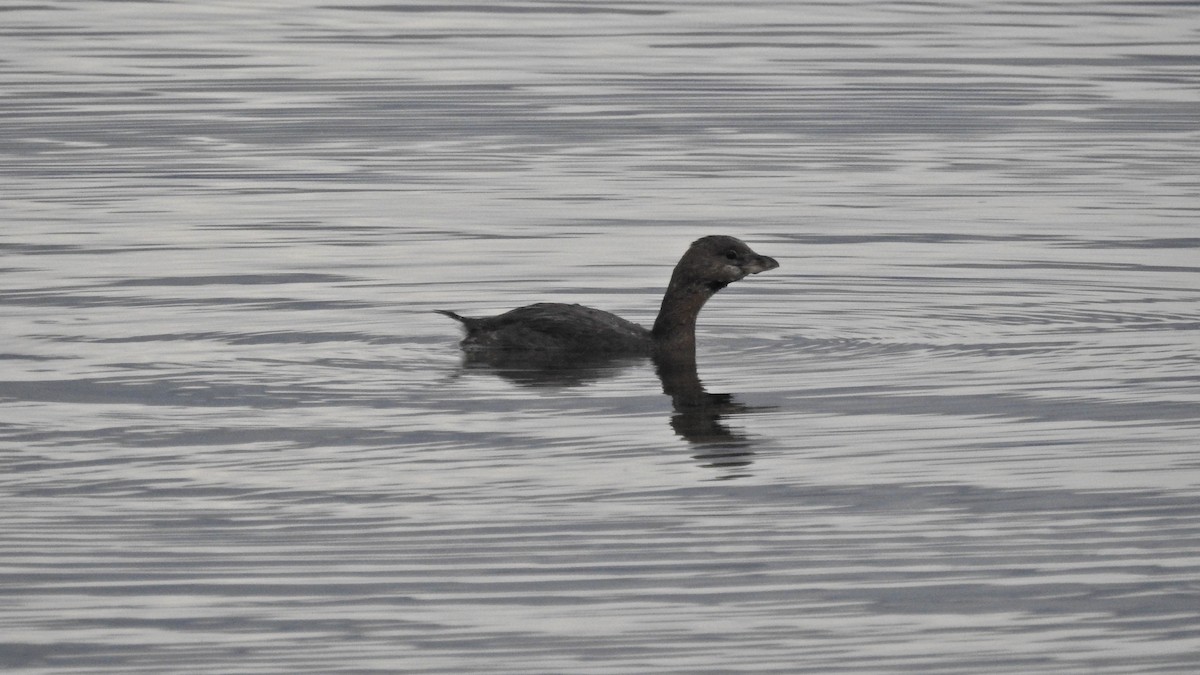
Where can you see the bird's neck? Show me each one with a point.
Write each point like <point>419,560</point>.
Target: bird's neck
<point>675,328</point>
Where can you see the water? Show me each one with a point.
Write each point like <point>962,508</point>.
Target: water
<point>960,430</point>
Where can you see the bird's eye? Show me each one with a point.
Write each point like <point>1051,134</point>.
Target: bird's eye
<point>731,254</point>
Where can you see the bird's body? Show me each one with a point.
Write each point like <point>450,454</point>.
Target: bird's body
<point>555,327</point>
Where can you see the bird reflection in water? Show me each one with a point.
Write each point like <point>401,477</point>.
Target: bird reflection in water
<point>697,416</point>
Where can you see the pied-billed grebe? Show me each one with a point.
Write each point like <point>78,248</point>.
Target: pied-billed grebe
<point>710,264</point>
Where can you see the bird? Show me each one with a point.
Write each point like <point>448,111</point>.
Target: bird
<point>559,330</point>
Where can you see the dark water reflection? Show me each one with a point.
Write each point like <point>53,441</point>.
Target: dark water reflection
<point>696,415</point>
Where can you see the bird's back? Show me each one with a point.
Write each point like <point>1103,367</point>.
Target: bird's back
<point>555,328</point>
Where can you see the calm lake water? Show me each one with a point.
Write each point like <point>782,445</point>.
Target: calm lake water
<point>961,427</point>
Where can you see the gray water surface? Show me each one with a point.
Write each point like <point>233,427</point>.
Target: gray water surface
<point>959,425</point>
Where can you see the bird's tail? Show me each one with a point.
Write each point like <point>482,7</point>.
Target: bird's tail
<point>452,315</point>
